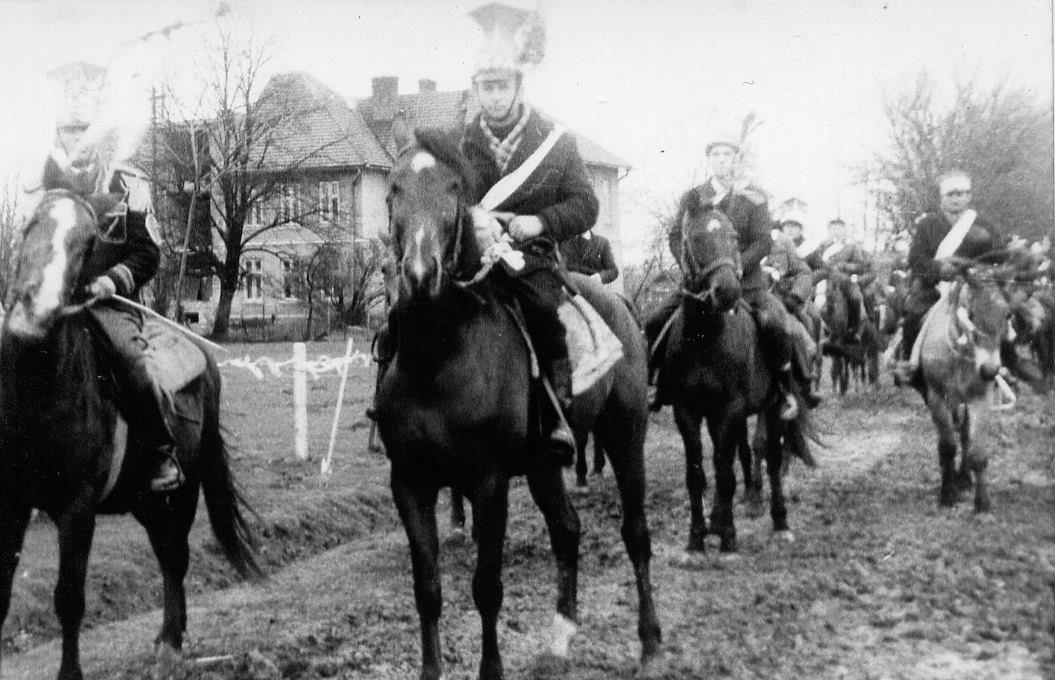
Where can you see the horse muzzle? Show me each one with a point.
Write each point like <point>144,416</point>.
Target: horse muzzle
<point>23,324</point>
<point>421,277</point>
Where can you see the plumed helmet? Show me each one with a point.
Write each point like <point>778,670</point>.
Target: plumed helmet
<point>514,39</point>
<point>723,138</point>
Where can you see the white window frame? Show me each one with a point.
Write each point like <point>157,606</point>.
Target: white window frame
<point>287,278</point>
<point>253,278</point>
<point>330,200</point>
<point>289,203</point>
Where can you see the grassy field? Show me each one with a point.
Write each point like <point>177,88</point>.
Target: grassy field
<point>302,512</point>
<point>880,583</point>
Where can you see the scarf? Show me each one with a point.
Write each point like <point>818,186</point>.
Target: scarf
<point>504,148</point>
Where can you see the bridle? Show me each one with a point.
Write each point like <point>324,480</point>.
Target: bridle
<point>689,262</point>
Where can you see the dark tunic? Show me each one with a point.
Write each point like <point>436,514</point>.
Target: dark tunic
<point>590,256</point>
<point>931,228</point>
<point>560,195</point>
<point>747,211</point>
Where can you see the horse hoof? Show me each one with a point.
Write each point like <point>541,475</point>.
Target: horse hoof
<point>753,509</point>
<point>563,631</point>
<point>784,536</point>
<point>690,559</point>
<point>653,666</point>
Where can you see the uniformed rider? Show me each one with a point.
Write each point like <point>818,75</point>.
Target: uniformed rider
<point>954,230</point>
<point>747,210</point>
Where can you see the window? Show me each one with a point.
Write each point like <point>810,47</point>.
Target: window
<point>256,213</point>
<point>289,273</point>
<point>290,207</point>
<point>330,201</point>
<point>253,278</point>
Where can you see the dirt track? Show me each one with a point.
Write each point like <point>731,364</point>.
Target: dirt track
<point>880,583</point>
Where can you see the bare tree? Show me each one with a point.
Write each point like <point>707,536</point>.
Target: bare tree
<point>10,225</point>
<point>242,146</point>
<point>998,134</point>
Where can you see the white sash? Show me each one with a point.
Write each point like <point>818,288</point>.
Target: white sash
<point>955,237</point>
<point>507,186</point>
<point>832,250</point>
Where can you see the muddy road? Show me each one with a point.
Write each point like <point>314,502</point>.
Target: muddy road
<point>879,583</point>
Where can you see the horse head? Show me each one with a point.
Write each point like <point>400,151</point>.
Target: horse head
<point>429,191</point>
<point>710,258</point>
<point>54,245</point>
<point>983,318</point>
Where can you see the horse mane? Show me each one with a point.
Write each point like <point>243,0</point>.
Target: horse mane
<point>75,384</point>
<point>447,150</point>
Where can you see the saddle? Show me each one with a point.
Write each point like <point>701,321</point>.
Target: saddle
<point>592,346</point>
<point>172,359</point>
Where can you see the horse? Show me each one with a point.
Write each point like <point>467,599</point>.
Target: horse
<point>60,432</point>
<point>455,407</point>
<point>714,368</point>
<point>847,328</point>
<point>959,360</point>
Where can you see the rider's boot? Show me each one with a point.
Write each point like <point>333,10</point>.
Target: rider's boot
<point>559,443</point>
<point>169,476</point>
<point>384,352</point>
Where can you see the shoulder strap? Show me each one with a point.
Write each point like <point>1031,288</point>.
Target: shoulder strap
<point>508,185</point>
<point>954,238</point>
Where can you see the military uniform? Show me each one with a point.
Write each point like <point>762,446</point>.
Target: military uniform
<point>590,256</point>
<point>559,194</point>
<point>931,228</point>
<point>746,209</point>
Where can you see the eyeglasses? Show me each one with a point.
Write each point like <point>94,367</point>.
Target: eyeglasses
<point>958,192</point>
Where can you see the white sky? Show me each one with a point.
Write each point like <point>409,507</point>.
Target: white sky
<point>650,80</point>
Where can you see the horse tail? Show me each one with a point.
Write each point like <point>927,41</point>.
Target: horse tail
<point>223,499</point>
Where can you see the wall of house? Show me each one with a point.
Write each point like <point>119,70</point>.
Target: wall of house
<point>605,182</point>
<point>373,186</point>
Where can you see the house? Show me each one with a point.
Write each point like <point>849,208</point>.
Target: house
<point>323,172</point>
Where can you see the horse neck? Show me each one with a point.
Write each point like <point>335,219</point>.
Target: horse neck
<point>54,379</point>
<point>429,332</point>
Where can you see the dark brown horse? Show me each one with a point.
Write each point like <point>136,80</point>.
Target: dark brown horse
<point>455,408</point>
<point>58,421</point>
<point>714,368</point>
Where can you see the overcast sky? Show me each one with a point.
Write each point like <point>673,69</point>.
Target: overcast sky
<point>650,79</point>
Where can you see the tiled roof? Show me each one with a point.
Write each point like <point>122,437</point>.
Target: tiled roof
<point>329,132</point>
<point>452,110</point>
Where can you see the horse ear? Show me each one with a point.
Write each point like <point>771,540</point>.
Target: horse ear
<point>402,133</point>
<point>54,176</point>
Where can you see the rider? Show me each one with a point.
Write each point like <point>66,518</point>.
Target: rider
<point>954,230</point>
<point>590,254</point>
<point>746,209</point>
<point>124,257</point>
<point>792,283</point>
<point>545,196</point>
<point>839,254</point>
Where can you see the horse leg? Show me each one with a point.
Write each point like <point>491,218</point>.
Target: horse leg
<point>14,517</point>
<point>581,439</point>
<point>76,527</point>
<point>417,510</point>
<point>457,513</point>
<point>753,479</point>
<point>167,527</point>
<point>490,509</point>
<point>695,479</point>
<point>723,429</point>
<point>598,457</point>
<point>975,459</point>
<point>778,512</point>
<point>624,444</point>
<point>942,417</point>
<point>547,488</point>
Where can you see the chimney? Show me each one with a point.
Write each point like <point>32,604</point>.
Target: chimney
<point>426,86</point>
<point>385,96</point>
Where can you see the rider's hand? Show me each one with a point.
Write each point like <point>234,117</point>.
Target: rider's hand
<point>102,287</point>
<point>523,227</point>
<point>948,270</point>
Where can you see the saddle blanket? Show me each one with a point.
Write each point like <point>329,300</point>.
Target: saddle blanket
<point>172,358</point>
<point>592,346</point>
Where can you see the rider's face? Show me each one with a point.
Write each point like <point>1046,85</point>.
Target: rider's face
<point>496,94</point>
<point>956,200</point>
<point>722,161</point>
